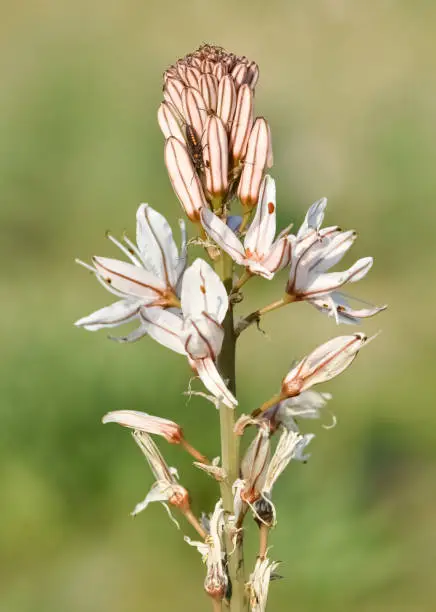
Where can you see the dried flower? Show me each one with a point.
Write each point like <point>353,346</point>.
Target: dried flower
<point>141,421</point>
<point>306,405</point>
<point>260,254</point>
<point>212,552</point>
<point>166,488</point>
<point>151,279</point>
<point>258,584</point>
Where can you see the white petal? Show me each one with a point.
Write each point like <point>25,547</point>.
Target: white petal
<point>213,382</point>
<point>202,337</point>
<point>203,291</point>
<point>156,244</point>
<point>333,252</point>
<point>222,235</point>
<point>164,327</point>
<point>279,256</point>
<point>116,314</point>
<point>262,230</point>
<point>129,279</point>
<point>314,217</point>
<point>330,359</point>
<point>183,257</point>
<point>325,283</point>
<point>157,493</point>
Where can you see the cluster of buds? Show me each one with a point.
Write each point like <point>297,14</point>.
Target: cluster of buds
<point>216,151</point>
<point>215,148</point>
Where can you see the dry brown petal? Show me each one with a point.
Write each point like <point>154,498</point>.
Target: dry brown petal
<point>173,93</point>
<point>217,155</point>
<point>184,179</point>
<point>226,101</point>
<point>242,122</point>
<point>258,151</point>
<point>194,109</point>
<point>209,90</point>
<point>168,122</point>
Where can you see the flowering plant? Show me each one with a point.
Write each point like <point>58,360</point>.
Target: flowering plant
<point>217,155</point>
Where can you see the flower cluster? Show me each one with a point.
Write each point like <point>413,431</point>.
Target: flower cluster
<point>217,154</point>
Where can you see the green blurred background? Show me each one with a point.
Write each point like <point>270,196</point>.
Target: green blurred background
<point>349,90</point>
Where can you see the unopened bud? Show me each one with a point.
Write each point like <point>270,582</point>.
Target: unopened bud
<point>168,122</point>
<point>173,93</point>
<point>209,90</point>
<point>184,179</point>
<point>242,122</point>
<point>217,156</point>
<point>258,154</point>
<point>194,109</point>
<point>226,104</point>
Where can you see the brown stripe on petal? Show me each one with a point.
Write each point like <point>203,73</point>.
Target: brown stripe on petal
<point>242,122</point>
<point>254,163</point>
<point>168,122</point>
<point>253,74</point>
<point>216,153</point>
<point>173,93</point>
<point>226,101</point>
<point>194,109</point>
<point>209,90</point>
<point>192,76</point>
<point>239,74</point>
<point>219,70</point>
<point>184,179</point>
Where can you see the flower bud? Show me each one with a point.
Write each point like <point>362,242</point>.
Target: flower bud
<point>242,122</point>
<point>226,104</point>
<point>217,156</point>
<point>185,181</point>
<point>168,122</point>
<point>256,160</point>
<point>209,90</point>
<point>194,109</point>
<point>173,93</point>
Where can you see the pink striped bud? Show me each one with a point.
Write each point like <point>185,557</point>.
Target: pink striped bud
<point>242,122</point>
<point>258,154</point>
<point>217,156</point>
<point>185,181</point>
<point>168,122</point>
<point>226,101</point>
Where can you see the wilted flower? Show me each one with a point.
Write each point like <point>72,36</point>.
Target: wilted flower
<point>260,254</point>
<point>314,252</point>
<point>258,584</point>
<point>141,421</point>
<point>198,332</point>
<point>213,555</point>
<point>166,488</point>
<point>307,405</point>
<point>152,278</point>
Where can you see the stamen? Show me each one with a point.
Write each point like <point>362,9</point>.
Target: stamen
<point>126,252</point>
<point>87,266</point>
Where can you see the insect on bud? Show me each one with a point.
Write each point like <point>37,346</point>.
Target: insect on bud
<point>184,179</point>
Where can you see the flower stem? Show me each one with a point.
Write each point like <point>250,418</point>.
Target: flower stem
<point>263,540</point>
<point>230,442</point>
<point>191,518</point>
<point>255,316</point>
<point>194,452</point>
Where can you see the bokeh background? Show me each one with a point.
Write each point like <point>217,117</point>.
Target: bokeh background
<point>349,90</point>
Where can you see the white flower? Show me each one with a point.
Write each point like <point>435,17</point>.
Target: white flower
<point>152,277</point>
<point>166,488</point>
<point>260,254</point>
<point>212,552</point>
<point>322,364</point>
<point>198,332</point>
<point>258,584</point>
<point>314,252</point>
<point>141,421</point>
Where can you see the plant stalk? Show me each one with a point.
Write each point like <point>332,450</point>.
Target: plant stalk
<point>230,442</point>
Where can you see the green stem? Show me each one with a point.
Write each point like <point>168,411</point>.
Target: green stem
<point>229,441</point>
